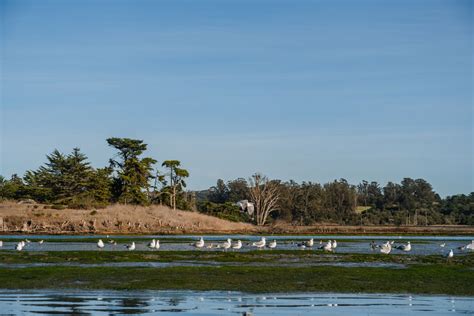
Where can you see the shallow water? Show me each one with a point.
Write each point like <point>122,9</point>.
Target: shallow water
<point>203,264</point>
<point>421,245</point>
<point>227,303</point>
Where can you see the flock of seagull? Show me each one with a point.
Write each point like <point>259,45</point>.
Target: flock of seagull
<point>22,244</point>
<point>330,245</point>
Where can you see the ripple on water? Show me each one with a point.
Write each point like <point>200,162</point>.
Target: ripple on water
<point>227,303</point>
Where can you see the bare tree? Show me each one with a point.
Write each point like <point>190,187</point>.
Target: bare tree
<point>264,194</point>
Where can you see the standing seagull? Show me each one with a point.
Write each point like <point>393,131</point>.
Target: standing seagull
<point>386,248</point>
<point>100,244</point>
<point>157,244</point>
<point>272,244</point>
<point>406,247</point>
<point>152,244</point>
<point>199,243</point>
<point>1,243</point>
<point>373,245</point>
<point>310,243</point>
<point>227,244</point>
<point>131,247</point>
<point>260,244</point>
<point>442,245</point>
<point>237,245</point>
<point>328,246</point>
<point>334,244</point>
<point>450,254</point>
<point>470,246</point>
<point>19,246</point>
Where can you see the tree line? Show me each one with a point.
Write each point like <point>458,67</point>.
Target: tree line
<point>69,180</point>
<point>411,202</point>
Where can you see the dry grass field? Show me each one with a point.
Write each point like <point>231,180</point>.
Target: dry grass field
<point>156,219</point>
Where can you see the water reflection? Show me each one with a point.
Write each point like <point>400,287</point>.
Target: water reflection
<point>226,303</point>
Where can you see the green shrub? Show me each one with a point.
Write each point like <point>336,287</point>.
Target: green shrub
<point>228,211</point>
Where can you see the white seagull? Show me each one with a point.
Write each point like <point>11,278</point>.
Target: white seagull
<point>157,244</point>
<point>237,245</point>
<point>451,253</point>
<point>199,243</point>
<point>442,245</point>
<point>272,244</point>
<point>470,246</point>
<point>100,244</point>
<point>19,246</point>
<point>328,246</point>
<point>152,244</point>
<point>1,243</point>
<point>310,243</point>
<point>334,244</point>
<point>406,247</point>
<point>386,248</point>
<point>227,244</point>
<point>260,244</point>
<point>41,242</point>
<point>131,247</point>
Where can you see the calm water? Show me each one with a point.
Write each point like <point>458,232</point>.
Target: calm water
<point>421,245</point>
<point>227,303</point>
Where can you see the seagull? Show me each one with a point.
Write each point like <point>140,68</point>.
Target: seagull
<point>451,254</point>
<point>334,244</point>
<point>210,246</point>
<point>19,246</point>
<point>41,242</point>
<point>308,243</point>
<point>442,245</point>
<point>328,246</point>
<point>157,244</point>
<point>131,247</point>
<point>227,244</point>
<point>272,244</point>
<point>470,246</point>
<point>260,244</point>
<point>386,248</point>
<point>373,245</point>
<point>1,243</point>
<point>237,245</point>
<point>152,244</point>
<point>100,244</point>
<point>27,241</point>
<point>406,247</point>
<point>199,243</point>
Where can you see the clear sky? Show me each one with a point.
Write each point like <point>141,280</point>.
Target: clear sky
<point>303,90</point>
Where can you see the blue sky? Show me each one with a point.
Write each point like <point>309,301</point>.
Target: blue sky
<point>303,90</point>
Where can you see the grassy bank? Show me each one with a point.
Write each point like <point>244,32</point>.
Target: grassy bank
<point>432,279</point>
<point>254,271</point>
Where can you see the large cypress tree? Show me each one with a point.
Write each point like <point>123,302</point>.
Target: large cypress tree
<point>132,172</point>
